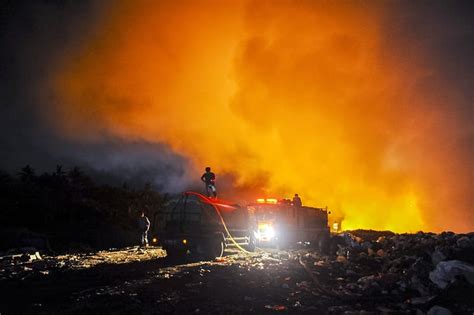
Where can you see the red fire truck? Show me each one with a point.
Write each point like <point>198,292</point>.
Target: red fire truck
<point>279,223</point>
<point>206,227</point>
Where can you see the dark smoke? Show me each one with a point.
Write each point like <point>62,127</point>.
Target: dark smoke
<point>34,37</point>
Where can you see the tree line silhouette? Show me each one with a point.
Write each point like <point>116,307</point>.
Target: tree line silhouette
<point>70,210</point>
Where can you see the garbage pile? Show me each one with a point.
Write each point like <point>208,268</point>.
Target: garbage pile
<point>387,272</point>
<point>368,272</point>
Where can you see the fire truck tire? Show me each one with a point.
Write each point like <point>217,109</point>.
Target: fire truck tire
<point>252,244</point>
<point>280,244</point>
<point>215,249</point>
<point>324,243</point>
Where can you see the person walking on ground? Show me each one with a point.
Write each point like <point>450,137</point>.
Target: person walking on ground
<point>209,178</point>
<point>297,201</point>
<point>144,226</point>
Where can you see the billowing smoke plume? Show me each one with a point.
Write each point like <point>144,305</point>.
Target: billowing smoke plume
<point>36,36</point>
<point>365,108</point>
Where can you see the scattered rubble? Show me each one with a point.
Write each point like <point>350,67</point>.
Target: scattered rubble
<point>368,273</point>
<point>404,272</point>
<point>27,262</point>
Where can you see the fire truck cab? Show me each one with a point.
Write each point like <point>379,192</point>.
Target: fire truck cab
<point>279,223</point>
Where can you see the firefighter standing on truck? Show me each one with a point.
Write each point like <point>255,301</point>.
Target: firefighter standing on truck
<point>297,201</point>
<point>209,178</point>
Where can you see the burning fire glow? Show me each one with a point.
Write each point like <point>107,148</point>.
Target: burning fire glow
<point>281,98</point>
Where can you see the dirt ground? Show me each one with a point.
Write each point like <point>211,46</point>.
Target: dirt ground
<point>133,280</point>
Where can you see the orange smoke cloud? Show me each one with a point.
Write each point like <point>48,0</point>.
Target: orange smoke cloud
<point>285,98</point>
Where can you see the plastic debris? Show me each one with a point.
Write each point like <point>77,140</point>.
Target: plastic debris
<point>447,271</point>
<point>438,310</point>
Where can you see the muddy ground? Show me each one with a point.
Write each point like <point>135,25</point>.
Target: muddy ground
<point>388,275</point>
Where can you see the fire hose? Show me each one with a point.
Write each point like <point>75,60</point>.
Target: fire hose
<point>211,202</point>
<point>228,233</point>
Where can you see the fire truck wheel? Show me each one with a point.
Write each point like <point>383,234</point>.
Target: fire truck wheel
<point>280,244</point>
<point>215,248</point>
<point>324,243</point>
<point>252,244</point>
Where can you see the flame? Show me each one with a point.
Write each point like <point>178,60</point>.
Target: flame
<point>283,97</point>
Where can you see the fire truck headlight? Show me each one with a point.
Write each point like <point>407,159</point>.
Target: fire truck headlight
<point>270,232</point>
<point>265,232</point>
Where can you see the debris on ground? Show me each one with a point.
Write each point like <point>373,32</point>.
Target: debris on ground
<point>403,272</point>
<point>448,271</point>
<point>13,266</point>
<point>368,272</point>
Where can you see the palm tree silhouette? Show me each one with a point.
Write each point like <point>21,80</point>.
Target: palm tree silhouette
<point>27,174</point>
